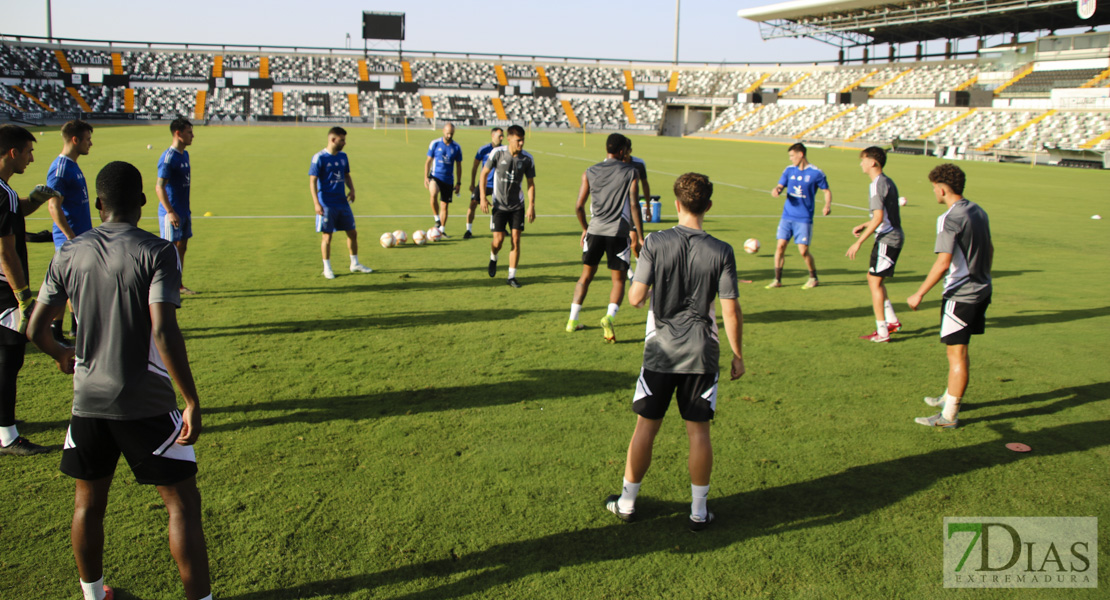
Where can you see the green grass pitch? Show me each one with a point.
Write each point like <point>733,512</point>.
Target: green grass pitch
<point>428,432</point>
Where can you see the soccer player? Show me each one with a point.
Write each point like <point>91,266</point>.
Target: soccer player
<point>886,224</point>
<point>70,212</point>
<point>438,178</point>
<point>800,181</point>
<point>684,268</point>
<point>329,178</point>
<point>496,135</point>
<point>124,283</point>
<point>645,187</point>
<point>17,150</point>
<point>613,186</point>
<point>175,220</point>
<point>964,257</point>
<point>509,164</point>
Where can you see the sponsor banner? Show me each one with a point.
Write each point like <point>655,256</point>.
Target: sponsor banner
<point>1020,552</point>
<point>168,78</point>
<point>457,85</point>
<point>703,101</point>
<point>573,89</point>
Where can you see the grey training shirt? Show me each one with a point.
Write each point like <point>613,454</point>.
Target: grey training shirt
<point>112,274</point>
<point>609,182</point>
<point>509,172</point>
<point>884,197</point>
<point>964,231</point>
<point>686,269</point>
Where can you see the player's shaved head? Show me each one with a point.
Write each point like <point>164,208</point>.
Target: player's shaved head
<point>950,175</point>
<point>119,188</point>
<point>693,191</point>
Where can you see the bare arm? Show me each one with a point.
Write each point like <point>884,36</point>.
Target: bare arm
<point>427,166</point>
<point>312,187</point>
<point>634,207</point>
<point>828,203</point>
<point>171,346</point>
<point>734,329</point>
<point>350,186</point>
<point>647,198</point>
<point>777,190</point>
<point>39,333</point>
<point>580,206</point>
<point>482,190</point>
<point>33,202</point>
<point>9,260</point>
<point>638,294</point>
<point>940,267</point>
<point>531,199</point>
<point>164,200</point>
<point>473,172</point>
<point>54,205</point>
<point>458,176</point>
<point>864,231</point>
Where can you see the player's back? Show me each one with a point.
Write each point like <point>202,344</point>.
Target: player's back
<point>609,182</point>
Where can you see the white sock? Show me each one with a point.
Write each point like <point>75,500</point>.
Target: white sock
<point>442,229</point>
<point>94,590</point>
<point>627,501</point>
<point>613,308</point>
<point>512,273</point>
<point>888,308</point>
<point>699,493</point>
<point>951,407</point>
<point>327,265</point>
<point>493,257</point>
<point>8,435</point>
<point>469,227</point>
<point>354,259</point>
<point>574,310</point>
<point>881,329</point>
<point>437,221</point>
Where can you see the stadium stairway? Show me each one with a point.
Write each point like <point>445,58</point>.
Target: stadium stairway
<point>15,106</point>
<point>129,100</point>
<point>426,102</point>
<point>947,124</point>
<point>1094,82</point>
<point>499,108</point>
<point>757,83</point>
<point>544,81</point>
<point>77,96</point>
<point>62,62</point>
<point>629,83</point>
<point>628,111</point>
<point>352,104</point>
<point>780,119</point>
<point>569,110</point>
<point>1015,130</point>
<point>264,67</point>
<point>888,82</point>
<point>740,118</point>
<point>202,95</point>
<point>218,66</point>
<point>856,83</point>
<point>279,104</point>
<point>363,71</point>
<point>1016,78</point>
<point>117,63</point>
<point>860,134</point>
<point>406,71</point>
<point>825,122</point>
<point>783,91</point>
<point>672,85</point>
<point>32,98</point>
<point>499,70</point>
<point>970,82</point>
<point>1091,143</point>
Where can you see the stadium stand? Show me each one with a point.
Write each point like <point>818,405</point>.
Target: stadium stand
<point>167,66</point>
<point>585,79</point>
<point>924,81</point>
<point>313,69</point>
<point>86,57</point>
<point>167,101</point>
<point>453,74</point>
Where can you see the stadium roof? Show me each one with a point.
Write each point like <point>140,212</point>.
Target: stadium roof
<point>863,22</point>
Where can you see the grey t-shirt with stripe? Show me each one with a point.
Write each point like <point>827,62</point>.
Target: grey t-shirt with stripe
<point>964,231</point>
<point>884,197</point>
<point>112,274</point>
<point>610,181</point>
<point>687,269</point>
<point>509,173</point>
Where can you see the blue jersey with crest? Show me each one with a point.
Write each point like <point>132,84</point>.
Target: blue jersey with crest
<point>800,187</point>
<point>331,172</point>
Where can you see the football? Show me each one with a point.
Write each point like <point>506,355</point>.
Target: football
<point>418,237</point>
<point>902,201</point>
<point>387,240</point>
<point>751,246</point>
<point>434,234</point>
<point>400,237</point>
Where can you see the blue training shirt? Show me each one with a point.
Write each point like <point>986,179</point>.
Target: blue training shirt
<point>331,172</point>
<point>174,168</point>
<point>444,156</point>
<point>481,156</point>
<point>66,178</point>
<point>800,186</point>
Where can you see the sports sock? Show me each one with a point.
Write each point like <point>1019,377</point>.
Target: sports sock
<point>627,500</point>
<point>613,308</point>
<point>951,407</point>
<point>327,265</point>
<point>354,259</point>
<point>888,308</point>
<point>512,273</point>
<point>813,274</point>
<point>699,493</point>
<point>493,257</point>
<point>881,329</point>
<point>778,273</point>
<point>442,229</point>
<point>574,310</point>
<point>8,435</point>
<point>437,221</point>
<point>469,227</point>
<point>94,590</point>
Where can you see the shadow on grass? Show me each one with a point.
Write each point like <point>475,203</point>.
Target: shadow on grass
<point>535,384</point>
<point>827,500</point>
<point>1063,399</point>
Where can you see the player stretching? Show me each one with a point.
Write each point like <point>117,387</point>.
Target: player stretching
<point>17,150</point>
<point>70,212</point>
<point>684,268</point>
<point>509,164</point>
<point>437,174</point>
<point>645,189</point>
<point>329,178</point>
<point>613,185</point>
<point>124,285</point>
<point>801,181</point>
<point>964,256</point>
<point>886,223</point>
<point>175,221</point>
<point>496,135</point>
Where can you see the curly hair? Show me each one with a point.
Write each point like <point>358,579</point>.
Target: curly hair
<point>693,190</point>
<point>949,175</point>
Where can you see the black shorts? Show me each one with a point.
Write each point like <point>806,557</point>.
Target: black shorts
<point>476,196</point>
<point>697,394</point>
<point>961,320</point>
<point>93,446</point>
<point>618,251</point>
<point>883,259</point>
<point>446,190</point>
<point>514,219</point>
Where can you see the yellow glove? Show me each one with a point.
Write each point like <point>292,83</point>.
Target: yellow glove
<point>26,305</point>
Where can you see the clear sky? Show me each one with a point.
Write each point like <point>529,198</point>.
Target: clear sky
<point>710,30</point>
